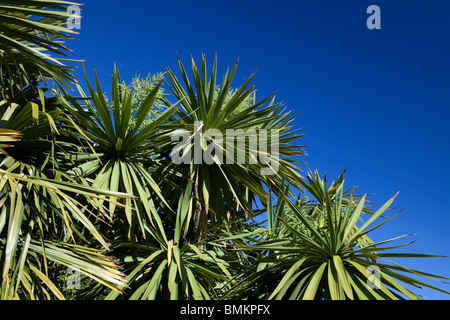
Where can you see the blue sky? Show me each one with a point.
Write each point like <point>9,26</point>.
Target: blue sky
<point>374,102</point>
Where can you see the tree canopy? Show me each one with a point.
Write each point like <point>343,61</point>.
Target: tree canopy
<point>142,194</point>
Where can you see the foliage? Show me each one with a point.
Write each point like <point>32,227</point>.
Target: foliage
<point>226,190</point>
<point>31,42</point>
<point>316,250</point>
<point>47,216</point>
<point>92,184</point>
<point>141,88</point>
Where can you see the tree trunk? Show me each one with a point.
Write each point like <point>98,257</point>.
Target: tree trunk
<point>199,209</point>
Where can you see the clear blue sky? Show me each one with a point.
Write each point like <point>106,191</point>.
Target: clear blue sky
<point>374,102</point>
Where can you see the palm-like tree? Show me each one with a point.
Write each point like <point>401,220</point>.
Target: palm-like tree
<point>46,215</point>
<point>42,204</point>
<point>169,267</point>
<point>317,250</point>
<point>119,149</point>
<point>225,190</point>
<point>122,155</point>
<point>32,35</point>
<point>95,185</point>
